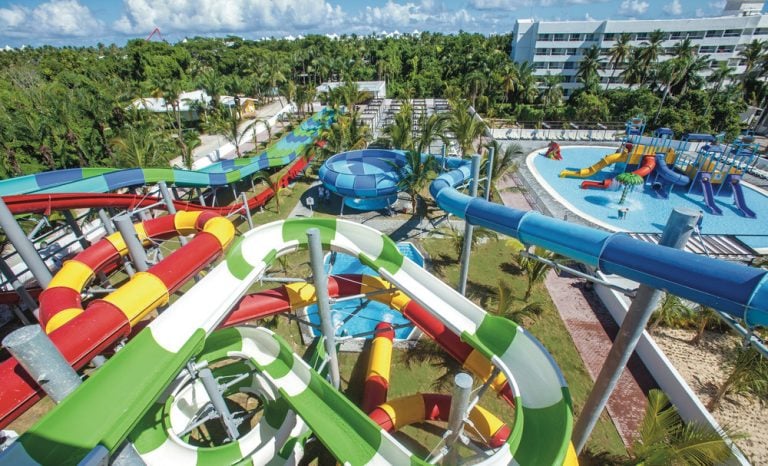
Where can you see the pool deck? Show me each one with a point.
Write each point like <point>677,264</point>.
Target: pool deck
<point>592,329</point>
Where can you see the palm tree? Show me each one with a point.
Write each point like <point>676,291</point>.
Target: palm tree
<point>749,374</point>
<point>634,73</point>
<point>432,128</point>
<point>703,318</point>
<point>455,237</point>
<point>505,306</point>
<point>752,55</point>
<point>170,90</point>
<point>628,181</point>
<point>664,439</point>
<point>428,351</point>
<point>718,77</point>
<point>669,312</point>
<point>589,67</point>
<point>551,96</point>
<point>619,53</point>
<point>415,175</point>
<point>670,73</point>
<point>504,160</point>
<point>271,184</point>
<point>228,124</point>
<point>400,132</point>
<point>137,146</point>
<point>465,127</point>
<point>650,52</point>
<point>475,83</point>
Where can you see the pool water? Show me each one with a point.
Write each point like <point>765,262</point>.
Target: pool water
<point>358,316</point>
<point>647,213</point>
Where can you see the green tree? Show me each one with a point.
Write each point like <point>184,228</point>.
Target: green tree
<point>231,126</point>
<point>400,132</point>
<point>664,439</point>
<point>416,175</point>
<point>589,67</point>
<point>618,54</point>
<point>671,312</point>
<point>748,375</point>
<point>703,318</point>
<point>465,127</point>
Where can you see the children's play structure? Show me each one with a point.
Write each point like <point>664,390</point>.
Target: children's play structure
<point>713,170</point>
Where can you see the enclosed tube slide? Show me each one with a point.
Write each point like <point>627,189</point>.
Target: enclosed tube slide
<point>396,414</point>
<point>99,412</point>
<point>80,334</point>
<point>376,382</point>
<point>618,157</point>
<point>669,175</point>
<point>101,180</point>
<point>735,289</point>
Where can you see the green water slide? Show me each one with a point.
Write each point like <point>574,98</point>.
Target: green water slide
<point>113,402</point>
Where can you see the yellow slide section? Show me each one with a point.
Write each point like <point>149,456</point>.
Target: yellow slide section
<point>618,157</point>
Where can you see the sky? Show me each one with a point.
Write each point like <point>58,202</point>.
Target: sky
<point>88,22</point>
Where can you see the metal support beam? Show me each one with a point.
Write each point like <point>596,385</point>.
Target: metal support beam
<point>217,399</point>
<point>24,246</point>
<point>468,229</point>
<point>246,210</point>
<point>78,232</point>
<point>489,173</point>
<point>676,233</point>
<point>459,403</point>
<point>169,205</point>
<point>135,248</point>
<point>323,303</point>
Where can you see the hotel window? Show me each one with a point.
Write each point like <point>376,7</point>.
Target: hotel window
<point>716,63</point>
<point>677,35</point>
<point>605,51</point>
<point>761,31</point>
<point>609,36</point>
<point>570,52</point>
<point>555,65</point>
<point>590,38</point>
<point>540,65</point>
<point>732,33</point>
<point>735,62</point>
<point>725,49</point>
<point>558,52</point>
<point>642,36</point>
<point>569,65</point>
<point>560,37</point>
<point>696,35</point>
<point>714,33</point>
<point>707,49</point>
<point>542,51</point>
<point>574,37</point>
<point>544,37</point>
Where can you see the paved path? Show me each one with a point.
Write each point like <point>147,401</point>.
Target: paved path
<point>592,329</point>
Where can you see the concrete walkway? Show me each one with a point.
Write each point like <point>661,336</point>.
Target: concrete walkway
<point>592,329</point>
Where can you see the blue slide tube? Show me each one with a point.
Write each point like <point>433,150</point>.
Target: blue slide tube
<point>735,289</point>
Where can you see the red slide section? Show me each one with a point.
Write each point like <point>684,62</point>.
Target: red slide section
<point>646,167</point>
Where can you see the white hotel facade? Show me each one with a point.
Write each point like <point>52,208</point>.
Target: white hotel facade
<point>557,47</point>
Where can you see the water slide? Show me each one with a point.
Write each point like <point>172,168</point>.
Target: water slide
<point>222,173</point>
<point>618,157</point>
<point>646,167</point>
<point>80,334</point>
<point>738,197</point>
<point>668,174</point>
<point>709,194</point>
<point>101,412</point>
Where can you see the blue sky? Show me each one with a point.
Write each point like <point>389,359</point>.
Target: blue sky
<point>86,22</point>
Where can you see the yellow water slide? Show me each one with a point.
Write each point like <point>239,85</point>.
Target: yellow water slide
<point>618,157</point>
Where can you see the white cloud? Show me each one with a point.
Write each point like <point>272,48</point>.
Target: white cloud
<point>674,8</point>
<point>195,16</point>
<point>511,5</point>
<point>408,16</point>
<point>633,7</point>
<point>52,19</point>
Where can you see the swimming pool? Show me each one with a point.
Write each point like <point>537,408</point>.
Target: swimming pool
<point>647,212</point>
<point>358,316</point>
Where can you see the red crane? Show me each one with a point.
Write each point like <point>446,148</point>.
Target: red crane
<point>159,34</point>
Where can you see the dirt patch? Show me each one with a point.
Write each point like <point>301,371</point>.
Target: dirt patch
<point>704,367</point>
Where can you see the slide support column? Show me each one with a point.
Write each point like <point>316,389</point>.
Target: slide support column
<point>169,206</point>
<point>468,229</point>
<point>679,227</point>
<point>323,302</point>
<point>24,246</point>
<point>459,406</point>
<point>26,298</point>
<point>489,173</point>
<point>135,249</point>
<point>247,210</point>
<point>72,223</point>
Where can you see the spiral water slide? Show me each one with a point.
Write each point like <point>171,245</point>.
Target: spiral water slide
<point>610,159</point>
<point>100,412</point>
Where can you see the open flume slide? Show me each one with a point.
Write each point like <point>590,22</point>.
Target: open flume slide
<point>733,288</point>
<point>80,334</point>
<point>709,194</point>
<point>738,197</point>
<point>102,180</point>
<point>646,167</point>
<point>99,412</point>
<point>618,157</point>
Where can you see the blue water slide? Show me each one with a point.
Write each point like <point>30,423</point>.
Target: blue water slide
<point>738,197</point>
<point>709,194</point>
<point>736,289</point>
<point>669,175</point>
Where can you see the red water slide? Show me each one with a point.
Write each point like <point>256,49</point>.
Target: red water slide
<point>646,167</point>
